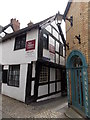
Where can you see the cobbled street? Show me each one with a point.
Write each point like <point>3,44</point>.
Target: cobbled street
<point>52,108</point>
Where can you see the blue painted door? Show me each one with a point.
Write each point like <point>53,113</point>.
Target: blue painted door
<point>77,88</point>
<point>77,83</point>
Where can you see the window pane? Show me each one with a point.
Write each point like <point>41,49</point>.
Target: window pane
<point>20,42</point>
<point>55,34</point>
<point>43,74</point>
<point>17,44</point>
<point>45,41</point>
<point>13,75</point>
<point>61,49</point>
<point>57,58</point>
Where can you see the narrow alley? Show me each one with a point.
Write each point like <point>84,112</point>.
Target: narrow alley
<point>53,108</point>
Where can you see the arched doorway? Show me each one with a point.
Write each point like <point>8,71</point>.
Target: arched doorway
<point>77,81</point>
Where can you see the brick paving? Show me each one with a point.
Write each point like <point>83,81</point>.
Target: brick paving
<point>53,108</point>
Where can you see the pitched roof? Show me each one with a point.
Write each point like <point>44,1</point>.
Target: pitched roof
<point>24,30</point>
<point>67,8</point>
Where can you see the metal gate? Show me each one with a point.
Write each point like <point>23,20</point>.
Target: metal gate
<point>77,88</point>
<point>77,81</point>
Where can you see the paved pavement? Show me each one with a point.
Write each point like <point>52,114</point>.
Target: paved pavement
<point>53,108</point>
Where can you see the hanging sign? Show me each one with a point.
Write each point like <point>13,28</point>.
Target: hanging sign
<point>30,45</point>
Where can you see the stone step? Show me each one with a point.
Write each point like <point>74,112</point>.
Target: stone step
<point>70,113</point>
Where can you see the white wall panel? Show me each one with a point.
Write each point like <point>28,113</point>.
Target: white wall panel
<point>51,41</point>
<point>52,87</point>
<point>52,74</point>
<point>52,57</point>
<point>62,60</point>
<point>46,53</point>
<point>57,46</point>
<point>33,69</point>
<point>17,92</point>
<point>55,33</point>
<point>58,86</point>
<point>32,87</point>
<point>43,90</point>
<point>63,51</point>
<point>48,28</point>
<point>54,24</point>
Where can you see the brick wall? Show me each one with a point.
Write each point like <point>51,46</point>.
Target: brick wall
<point>79,11</point>
<point>89,41</point>
<point>89,50</point>
<point>81,25</point>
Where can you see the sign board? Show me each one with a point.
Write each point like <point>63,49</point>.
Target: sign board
<point>30,45</point>
<point>51,48</point>
<point>5,67</point>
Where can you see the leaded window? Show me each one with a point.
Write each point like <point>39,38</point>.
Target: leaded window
<point>43,74</point>
<point>13,75</point>
<point>20,42</point>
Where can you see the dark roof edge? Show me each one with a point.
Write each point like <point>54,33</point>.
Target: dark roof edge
<point>21,31</point>
<point>67,8</point>
<point>24,30</point>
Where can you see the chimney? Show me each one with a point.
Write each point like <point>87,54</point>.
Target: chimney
<point>30,23</point>
<point>16,24</point>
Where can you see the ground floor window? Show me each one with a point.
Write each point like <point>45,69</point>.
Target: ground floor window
<point>13,75</point>
<point>43,74</point>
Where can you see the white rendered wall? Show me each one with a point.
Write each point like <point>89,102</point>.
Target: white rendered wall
<point>17,92</point>
<point>9,56</point>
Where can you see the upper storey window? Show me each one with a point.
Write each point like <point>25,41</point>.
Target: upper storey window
<point>45,41</point>
<point>20,42</point>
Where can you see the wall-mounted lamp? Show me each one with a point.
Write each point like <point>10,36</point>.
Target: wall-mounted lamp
<point>70,20</point>
<point>78,38</point>
<point>58,18</point>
